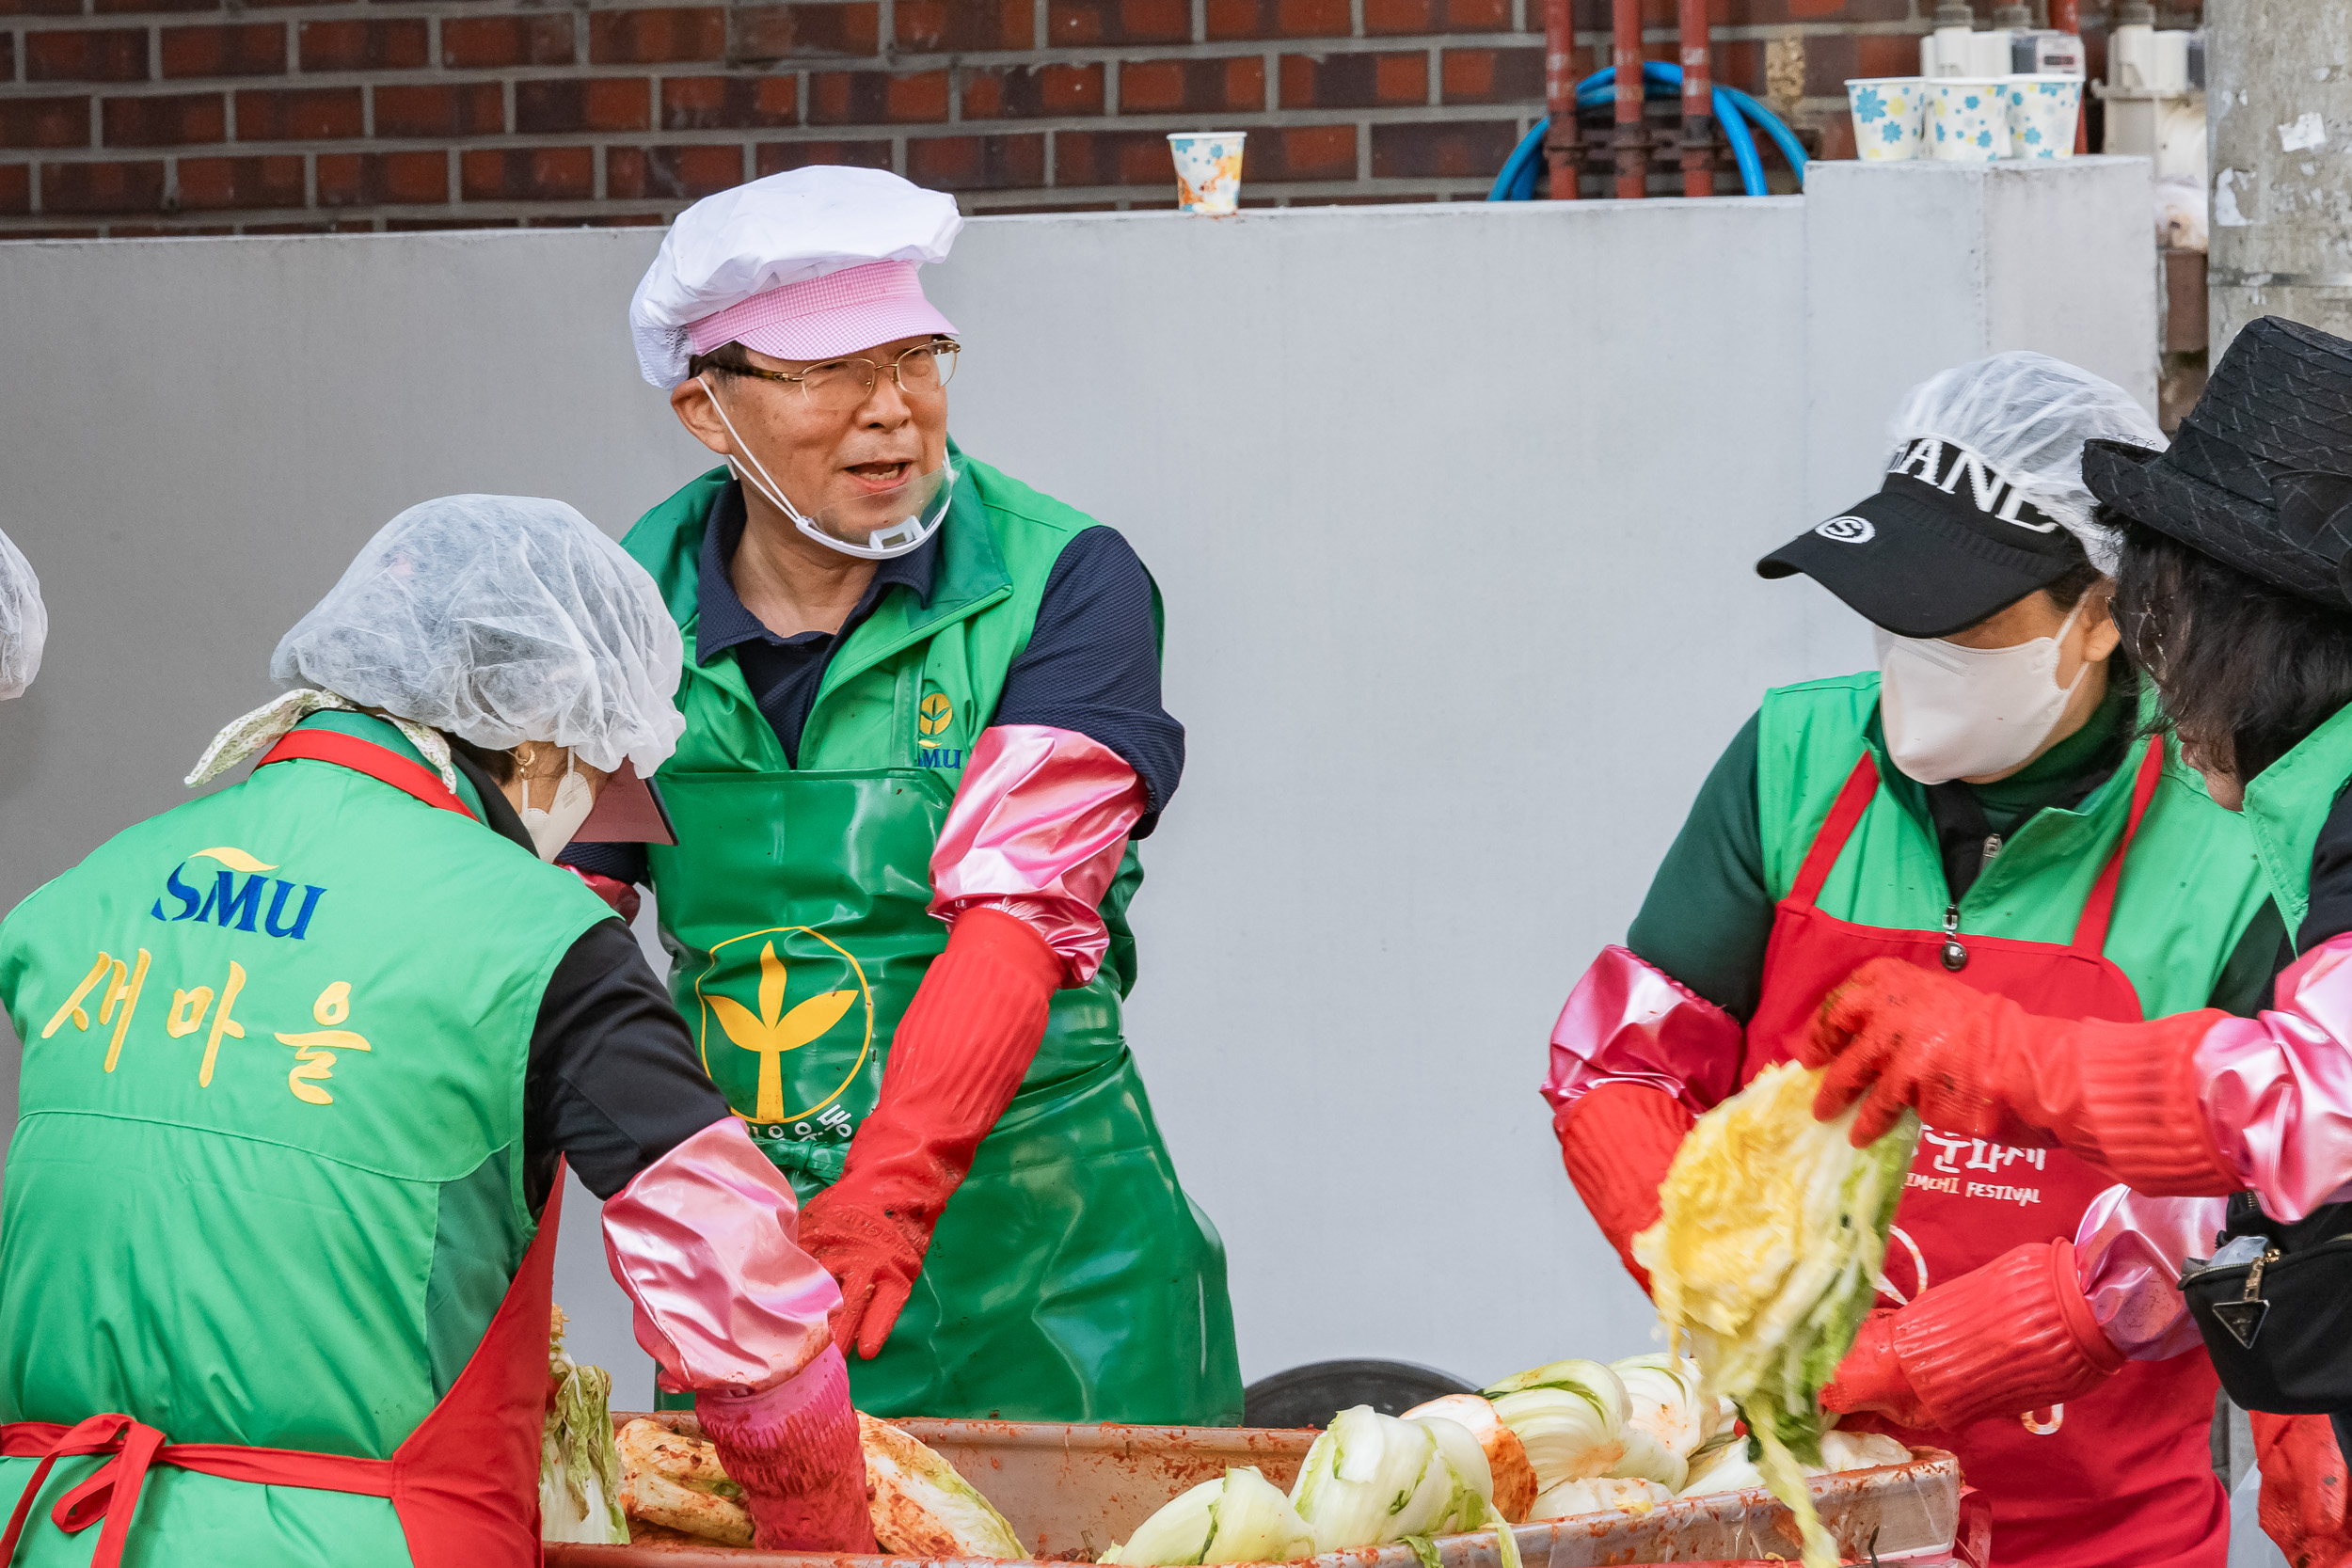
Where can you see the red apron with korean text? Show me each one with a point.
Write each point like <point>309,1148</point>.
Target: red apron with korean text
<point>463,1485</point>
<point>2124,1477</point>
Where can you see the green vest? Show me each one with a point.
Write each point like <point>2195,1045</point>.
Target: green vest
<point>2191,880</point>
<point>266,1186</point>
<point>1069,1277</point>
<point>2286,805</point>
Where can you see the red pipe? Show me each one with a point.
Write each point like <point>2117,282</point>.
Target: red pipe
<point>1560,136</point>
<point>1699,102</point>
<point>1631,139</point>
<point>2066,16</point>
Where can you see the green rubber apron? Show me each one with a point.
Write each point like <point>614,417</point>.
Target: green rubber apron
<point>1069,1277</point>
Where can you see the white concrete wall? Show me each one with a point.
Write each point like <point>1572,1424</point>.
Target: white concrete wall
<point>1454,510</point>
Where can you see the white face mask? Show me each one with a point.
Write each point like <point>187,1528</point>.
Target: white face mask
<point>873,528</point>
<point>552,829</point>
<point>1960,713</point>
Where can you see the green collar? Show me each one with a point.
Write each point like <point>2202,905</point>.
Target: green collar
<point>2286,805</point>
<point>971,575</point>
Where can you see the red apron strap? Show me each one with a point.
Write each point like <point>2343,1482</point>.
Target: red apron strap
<point>1852,800</point>
<point>366,756</point>
<point>2091,933</point>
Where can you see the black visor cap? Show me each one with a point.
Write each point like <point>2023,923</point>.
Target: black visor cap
<point>1918,563</point>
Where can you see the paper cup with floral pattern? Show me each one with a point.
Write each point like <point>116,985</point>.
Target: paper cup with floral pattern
<point>1889,112</point>
<point>2042,111</point>
<point>1967,118</point>
<point>1208,170</point>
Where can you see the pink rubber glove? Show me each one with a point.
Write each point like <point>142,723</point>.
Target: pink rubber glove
<point>794,1451</point>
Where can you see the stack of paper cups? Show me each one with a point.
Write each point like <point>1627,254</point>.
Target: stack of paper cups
<point>1208,169</point>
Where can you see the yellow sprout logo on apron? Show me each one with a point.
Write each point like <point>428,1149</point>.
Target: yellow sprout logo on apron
<point>783,1022</point>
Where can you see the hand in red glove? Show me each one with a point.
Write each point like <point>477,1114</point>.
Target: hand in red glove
<point>2012,1336</point>
<point>2122,1095</point>
<point>957,1058</point>
<point>794,1451</point>
<point>1618,1141</point>
<point>2303,1505</point>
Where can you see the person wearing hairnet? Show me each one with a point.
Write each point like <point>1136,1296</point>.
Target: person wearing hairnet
<point>302,1060</point>
<point>2236,588</point>
<point>923,733</point>
<point>24,622</point>
<point>1983,802</point>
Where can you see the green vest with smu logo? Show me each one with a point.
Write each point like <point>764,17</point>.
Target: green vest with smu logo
<point>2191,880</point>
<point>1069,1277</point>
<point>266,1186</point>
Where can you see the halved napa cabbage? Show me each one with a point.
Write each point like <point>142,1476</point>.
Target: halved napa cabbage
<point>1771,1230</point>
<point>1239,1517</point>
<point>1372,1479</point>
<point>1569,1415</point>
<point>1507,1456</point>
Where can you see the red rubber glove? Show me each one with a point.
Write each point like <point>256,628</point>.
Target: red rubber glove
<point>1618,1141</point>
<point>959,1054</point>
<point>2303,1503</point>
<point>794,1451</point>
<point>2012,1336</point>
<point>2122,1095</point>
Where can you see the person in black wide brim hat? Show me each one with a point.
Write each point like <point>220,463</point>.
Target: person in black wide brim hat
<point>2235,594</point>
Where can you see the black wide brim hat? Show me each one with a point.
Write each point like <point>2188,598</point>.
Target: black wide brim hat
<point>2259,476</point>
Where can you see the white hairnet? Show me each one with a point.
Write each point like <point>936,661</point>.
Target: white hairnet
<point>2028,415</point>
<point>24,624</point>
<point>499,619</point>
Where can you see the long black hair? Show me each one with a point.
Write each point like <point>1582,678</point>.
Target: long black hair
<point>2245,670</point>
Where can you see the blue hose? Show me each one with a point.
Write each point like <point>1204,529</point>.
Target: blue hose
<point>1733,110</point>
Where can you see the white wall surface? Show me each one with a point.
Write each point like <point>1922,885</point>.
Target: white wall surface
<point>1453,509</point>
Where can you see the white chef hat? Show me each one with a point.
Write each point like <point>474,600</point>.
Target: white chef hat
<point>807,264</point>
<point>24,624</point>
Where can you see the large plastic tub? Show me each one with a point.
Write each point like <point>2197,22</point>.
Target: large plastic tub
<point>1074,1491</point>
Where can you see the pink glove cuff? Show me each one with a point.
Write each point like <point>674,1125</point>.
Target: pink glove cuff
<point>622,896</point>
<point>794,1451</point>
<point>703,1240</point>
<point>1037,831</point>
<point>1628,1022</point>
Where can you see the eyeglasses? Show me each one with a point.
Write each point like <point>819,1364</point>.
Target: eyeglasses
<point>838,386</point>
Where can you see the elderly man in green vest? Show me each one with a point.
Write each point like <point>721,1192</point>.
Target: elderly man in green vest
<point>923,733</point>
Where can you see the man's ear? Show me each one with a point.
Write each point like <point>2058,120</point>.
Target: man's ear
<point>2102,637</point>
<point>691,401</point>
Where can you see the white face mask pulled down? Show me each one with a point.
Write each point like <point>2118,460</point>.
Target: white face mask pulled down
<point>1961,713</point>
<point>872,528</point>
<point>552,829</point>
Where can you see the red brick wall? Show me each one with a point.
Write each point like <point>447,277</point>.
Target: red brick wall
<point>141,116</point>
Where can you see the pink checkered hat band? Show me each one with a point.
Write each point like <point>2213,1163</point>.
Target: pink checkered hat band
<point>838,313</point>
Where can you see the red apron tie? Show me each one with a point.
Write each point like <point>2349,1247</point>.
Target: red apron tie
<point>112,1494</point>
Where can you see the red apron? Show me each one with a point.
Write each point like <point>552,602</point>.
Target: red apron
<point>464,1484</point>
<point>2123,1476</point>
